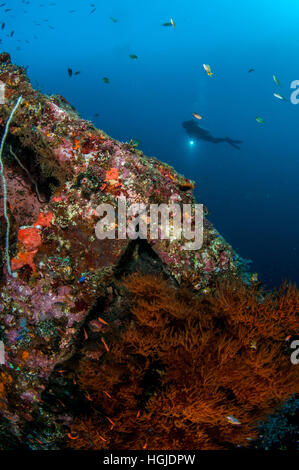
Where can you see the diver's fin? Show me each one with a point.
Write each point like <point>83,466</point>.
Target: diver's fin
<point>234,143</point>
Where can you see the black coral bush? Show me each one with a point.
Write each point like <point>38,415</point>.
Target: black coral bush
<point>190,371</point>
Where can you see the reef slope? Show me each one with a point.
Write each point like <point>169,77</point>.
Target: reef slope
<point>59,168</point>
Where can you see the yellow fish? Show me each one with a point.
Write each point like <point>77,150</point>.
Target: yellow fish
<point>206,290</point>
<point>208,69</point>
<point>197,116</point>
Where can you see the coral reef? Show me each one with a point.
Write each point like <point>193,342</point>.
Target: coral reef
<point>65,315</point>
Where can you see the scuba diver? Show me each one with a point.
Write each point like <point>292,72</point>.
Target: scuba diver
<point>199,133</point>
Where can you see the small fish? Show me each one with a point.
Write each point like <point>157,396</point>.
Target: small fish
<point>113,19</point>
<point>105,344</point>
<point>3,26</point>
<point>106,80</point>
<point>232,419</point>
<point>77,73</point>
<point>133,56</point>
<point>260,120</point>
<point>251,70</point>
<point>197,116</point>
<point>2,5</point>
<point>92,11</point>
<point>11,34</point>
<point>206,290</point>
<point>169,23</point>
<point>70,72</point>
<point>253,345</point>
<point>135,142</point>
<point>254,277</point>
<point>276,80</point>
<point>7,9</point>
<point>279,96</point>
<point>96,115</point>
<point>208,69</point>
<point>110,421</point>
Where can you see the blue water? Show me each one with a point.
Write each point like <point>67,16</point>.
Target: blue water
<point>252,193</point>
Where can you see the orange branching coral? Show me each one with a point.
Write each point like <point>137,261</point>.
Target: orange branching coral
<point>191,371</point>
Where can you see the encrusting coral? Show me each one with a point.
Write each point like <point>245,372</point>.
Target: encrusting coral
<point>190,371</point>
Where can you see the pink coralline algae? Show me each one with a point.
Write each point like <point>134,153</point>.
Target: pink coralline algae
<point>49,304</point>
<point>224,259</point>
<point>28,205</point>
<point>209,266</point>
<point>56,111</point>
<point>64,152</point>
<point>40,363</point>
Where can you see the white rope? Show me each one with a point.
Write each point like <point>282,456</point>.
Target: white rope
<point>4,186</point>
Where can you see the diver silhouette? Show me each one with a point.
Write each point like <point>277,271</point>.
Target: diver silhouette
<point>199,133</point>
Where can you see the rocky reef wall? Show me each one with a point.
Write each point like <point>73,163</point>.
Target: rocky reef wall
<point>58,169</point>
